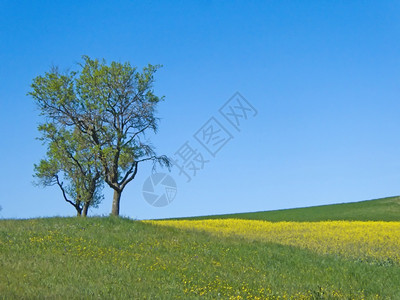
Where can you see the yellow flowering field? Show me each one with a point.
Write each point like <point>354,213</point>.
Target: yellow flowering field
<point>372,241</point>
<point>110,258</point>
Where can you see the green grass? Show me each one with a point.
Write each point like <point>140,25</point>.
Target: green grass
<point>385,209</point>
<point>111,258</point>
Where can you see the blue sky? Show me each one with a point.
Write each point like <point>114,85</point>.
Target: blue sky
<point>324,77</point>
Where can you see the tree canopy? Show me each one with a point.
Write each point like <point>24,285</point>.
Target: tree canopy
<point>111,106</point>
<point>72,166</point>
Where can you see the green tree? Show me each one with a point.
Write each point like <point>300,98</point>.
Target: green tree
<point>113,106</point>
<point>72,165</point>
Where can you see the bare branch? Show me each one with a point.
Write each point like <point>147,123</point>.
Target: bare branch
<point>60,184</point>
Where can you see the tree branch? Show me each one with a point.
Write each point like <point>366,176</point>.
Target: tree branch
<point>60,184</point>
<point>130,178</point>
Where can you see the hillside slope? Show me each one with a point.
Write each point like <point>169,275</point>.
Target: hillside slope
<point>384,209</point>
<point>109,258</point>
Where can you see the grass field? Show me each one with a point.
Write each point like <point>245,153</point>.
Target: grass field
<point>110,258</point>
<point>370,241</point>
<point>385,209</point>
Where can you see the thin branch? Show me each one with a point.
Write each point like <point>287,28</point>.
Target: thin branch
<point>60,184</point>
<point>131,177</point>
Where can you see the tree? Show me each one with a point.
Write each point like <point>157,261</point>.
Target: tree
<point>113,106</point>
<point>70,158</point>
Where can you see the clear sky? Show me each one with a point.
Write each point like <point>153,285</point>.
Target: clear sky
<point>323,76</point>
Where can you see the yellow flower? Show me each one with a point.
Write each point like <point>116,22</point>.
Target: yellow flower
<point>364,240</point>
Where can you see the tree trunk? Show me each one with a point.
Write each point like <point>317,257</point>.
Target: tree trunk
<point>85,209</point>
<point>115,204</point>
<point>78,209</point>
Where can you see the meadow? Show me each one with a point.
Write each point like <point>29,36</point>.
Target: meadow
<point>217,258</point>
<point>384,209</point>
<point>370,241</point>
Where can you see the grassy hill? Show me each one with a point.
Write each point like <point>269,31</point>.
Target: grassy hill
<point>384,209</point>
<point>111,258</point>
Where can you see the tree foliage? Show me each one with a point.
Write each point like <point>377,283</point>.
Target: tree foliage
<point>112,106</point>
<point>72,166</point>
